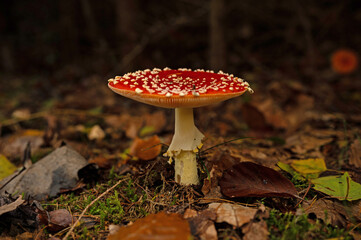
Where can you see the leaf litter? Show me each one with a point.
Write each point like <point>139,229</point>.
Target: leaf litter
<point>301,134</point>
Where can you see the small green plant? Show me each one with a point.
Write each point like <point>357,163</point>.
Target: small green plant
<point>130,192</point>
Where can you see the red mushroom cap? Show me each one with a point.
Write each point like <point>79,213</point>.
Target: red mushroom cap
<point>181,88</point>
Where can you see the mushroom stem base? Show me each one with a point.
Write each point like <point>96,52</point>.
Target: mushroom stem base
<point>185,165</point>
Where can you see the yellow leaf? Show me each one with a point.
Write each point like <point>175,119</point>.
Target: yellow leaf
<point>33,132</point>
<point>7,168</point>
<point>312,166</point>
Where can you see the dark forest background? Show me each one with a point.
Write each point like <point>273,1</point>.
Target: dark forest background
<point>85,37</point>
<point>52,52</point>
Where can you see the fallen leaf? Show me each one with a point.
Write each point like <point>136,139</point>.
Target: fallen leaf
<point>96,133</point>
<point>254,118</point>
<point>331,212</point>
<point>247,179</point>
<point>129,124</point>
<point>14,145</point>
<point>7,168</point>
<point>103,162</point>
<point>355,153</point>
<point>236,215</point>
<point>202,223</point>
<point>146,149</point>
<point>47,176</point>
<point>340,187</point>
<point>302,143</point>
<point>309,168</point>
<point>170,226</point>
<point>287,168</point>
<point>25,236</point>
<point>17,216</point>
<point>11,206</point>
<point>255,230</point>
<point>56,220</point>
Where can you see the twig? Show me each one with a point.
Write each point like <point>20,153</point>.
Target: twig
<point>304,196</point>
<point>87,207</point>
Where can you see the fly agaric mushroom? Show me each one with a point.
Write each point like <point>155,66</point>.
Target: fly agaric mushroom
<point>182,89</point>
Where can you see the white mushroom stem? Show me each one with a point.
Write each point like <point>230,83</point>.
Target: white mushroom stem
<point>184,145</point>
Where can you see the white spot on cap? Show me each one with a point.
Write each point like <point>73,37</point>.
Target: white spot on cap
<point>139,91</point>
<point>195,93</point>
<point>169,95</point>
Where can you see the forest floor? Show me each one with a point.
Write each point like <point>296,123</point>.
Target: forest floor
<point>309,131</point>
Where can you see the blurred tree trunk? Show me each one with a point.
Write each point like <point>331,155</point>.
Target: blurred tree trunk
<point>69,32</point>
<point>126,17</point>
<point>7,57</point>
<point>92,29</point>
<point>217,36</point>
<point>7,22</point>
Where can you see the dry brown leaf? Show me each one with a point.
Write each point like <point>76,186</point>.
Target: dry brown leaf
<point>302,143</point>
<point>129,124</point>
<point>336,212</point>
<point>56,220</point>
<point>255,230</point>
<point>202,223</point>
<point>236,215</point>
<point>155,226</point>
<point>24,236</point>
<point>247,179</point>
<point>11,206</point>
<point>146,149</point>
<point>355,153</point>
<point>14,145</point>
<point>103,162</point>
<point>254,118</point>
